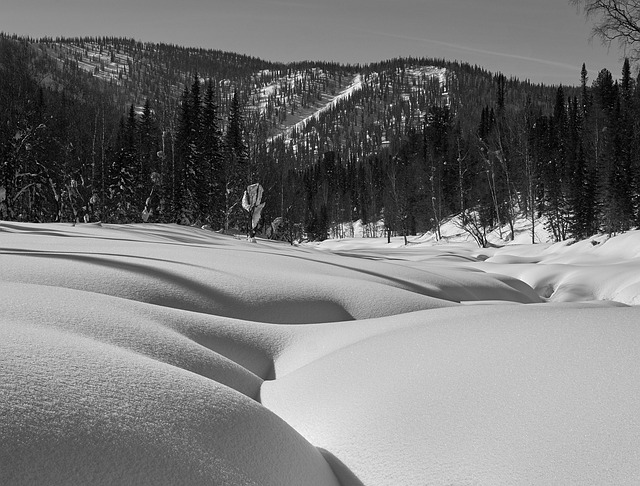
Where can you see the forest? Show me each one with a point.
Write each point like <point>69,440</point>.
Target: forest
<point>118,131</point>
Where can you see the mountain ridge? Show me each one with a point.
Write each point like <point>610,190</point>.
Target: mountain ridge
<point>407,140</point>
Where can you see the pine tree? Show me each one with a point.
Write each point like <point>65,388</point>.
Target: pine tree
<point>181,152</point>
<point>624,170</point>
<point>147,149</point>
<point>194,184</point>
<point>586,206</point>
<point>635,171</point>
<point>585,98</point>
<point>606,98</point>
<point>435,153</point>
<point>123,172</point>
<point>236,166</point>
<point>153,173</point>
<point>212,193</point>
<point>554,172</point>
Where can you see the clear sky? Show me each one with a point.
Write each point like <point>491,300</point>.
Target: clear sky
<point>541,40</point>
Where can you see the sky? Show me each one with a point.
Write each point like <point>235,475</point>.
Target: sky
<point>542,40</point>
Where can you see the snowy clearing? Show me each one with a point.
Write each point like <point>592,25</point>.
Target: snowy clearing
<point>160,354</point>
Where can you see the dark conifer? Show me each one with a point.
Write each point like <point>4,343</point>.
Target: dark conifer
<point>236,166</point>
<point>212,193</point>
<point>123,172</point>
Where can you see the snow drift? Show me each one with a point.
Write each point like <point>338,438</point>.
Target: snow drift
<point>153,354</point>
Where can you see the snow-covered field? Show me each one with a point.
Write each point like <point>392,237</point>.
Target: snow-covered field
<point>160,354</point>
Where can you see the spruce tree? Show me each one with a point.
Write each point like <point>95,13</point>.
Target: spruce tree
<point>587,205</point>
<point>212,192</point>
<point>624,171</point>
<point>236,166</point>
<point>182,144</point>
<point>554,171</point>
<point>435,153</point>
<point>635,170</point>
<point>194,183</point>
<point>147,153</point>
<point>585,98</point>
<point>191,173</point>
<point>123,172</point>
<point>607,142</point>
<point>154,177</point>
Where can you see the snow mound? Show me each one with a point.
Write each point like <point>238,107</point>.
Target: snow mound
<point>482,395</point>
<point>75,410</point>
<point>200,271</point>
<point>600,268</point>
<point>153,354</point>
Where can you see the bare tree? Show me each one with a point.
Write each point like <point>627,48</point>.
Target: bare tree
<point>615,20</point>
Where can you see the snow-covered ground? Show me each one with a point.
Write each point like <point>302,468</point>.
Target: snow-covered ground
<point>160,354</point>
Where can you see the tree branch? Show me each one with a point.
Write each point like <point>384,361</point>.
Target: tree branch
<point>615,20</point>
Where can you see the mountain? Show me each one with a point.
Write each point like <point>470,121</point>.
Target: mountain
<point>286,96</point>
<point>103,127</point>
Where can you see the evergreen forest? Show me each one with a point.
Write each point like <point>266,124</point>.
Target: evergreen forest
<point>119,131</point>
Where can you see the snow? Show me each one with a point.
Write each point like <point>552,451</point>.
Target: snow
<point>354,85</point>
<point>599,268</point>
<point>161,354</point>
<point>476,396</point>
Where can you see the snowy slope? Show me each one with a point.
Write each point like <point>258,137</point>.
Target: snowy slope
<point>151,354</point>
<point>474,396</point>
<point>330,103</point>
<point>355,85</point>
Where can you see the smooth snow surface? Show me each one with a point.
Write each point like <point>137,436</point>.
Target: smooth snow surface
<point>160,354</point>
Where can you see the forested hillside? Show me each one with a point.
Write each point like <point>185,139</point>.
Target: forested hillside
<point>122,131</point>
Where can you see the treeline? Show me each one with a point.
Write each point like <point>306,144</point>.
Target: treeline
<point>414,142</point>
<point>46,135</point>
<point>135,71</point>
<point>76,158</point>
<point>576,166</point>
